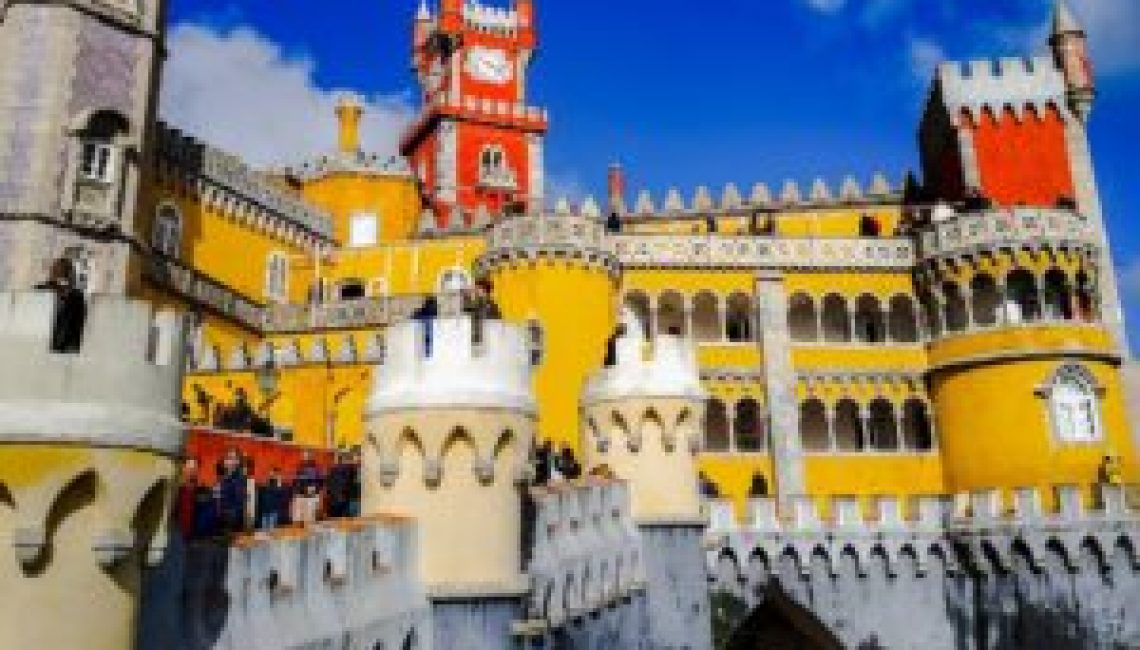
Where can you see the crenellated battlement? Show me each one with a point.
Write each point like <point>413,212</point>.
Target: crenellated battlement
<point>293,588</point>
<point>586,551</point>
<point>454,370</point>
<point>122,389</point>
<point>965,529</point>
<point>1018,83</point>
<point>496,20</point>
<point>732,199</point>
<point>664,368</point>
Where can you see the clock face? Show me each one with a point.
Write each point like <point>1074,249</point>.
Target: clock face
<point>490,66</point>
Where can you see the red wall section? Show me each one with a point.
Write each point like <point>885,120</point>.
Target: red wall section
<point>208,447</point>
<point>1022,161</point>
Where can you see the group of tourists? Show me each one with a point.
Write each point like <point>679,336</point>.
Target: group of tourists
<point>238,503</point>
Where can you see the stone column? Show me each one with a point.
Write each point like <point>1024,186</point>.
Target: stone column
<point>779,375</point>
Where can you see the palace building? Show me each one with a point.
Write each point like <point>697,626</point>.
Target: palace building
<point>939,360</point>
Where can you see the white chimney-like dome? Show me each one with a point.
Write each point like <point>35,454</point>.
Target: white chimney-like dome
<point>665,368</point>
<point>496,373</point>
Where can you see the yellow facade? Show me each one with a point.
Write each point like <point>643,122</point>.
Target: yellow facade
<point>981,433</point>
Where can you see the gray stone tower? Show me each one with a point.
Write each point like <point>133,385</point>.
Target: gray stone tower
<point>77,101</point>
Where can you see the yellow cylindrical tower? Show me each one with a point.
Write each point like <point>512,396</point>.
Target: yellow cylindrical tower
<point>553,275</point>
<point>450,425</point>
<point>88,449</point>
<point>1024,378</point>
<point>641,421</point>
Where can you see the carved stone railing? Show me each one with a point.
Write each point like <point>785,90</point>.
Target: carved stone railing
<point>715,251</point>
<point>353,314</point>
<point>972,232</point>
<point>556,236</point>
<point>197,287</point>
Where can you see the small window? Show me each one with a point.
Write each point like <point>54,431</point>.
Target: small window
<point>351,290</point>
<point>97,162</point>
<point>168,231</point>
<point>277,277</point>
<point>363,230</point>
<point>1074,406</point>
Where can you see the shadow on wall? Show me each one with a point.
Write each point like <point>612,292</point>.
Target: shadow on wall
<point>776,622</point>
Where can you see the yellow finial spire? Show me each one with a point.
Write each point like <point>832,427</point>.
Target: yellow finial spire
<point>348,113</point>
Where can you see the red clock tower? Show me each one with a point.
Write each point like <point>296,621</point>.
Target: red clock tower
<point>476,143</point>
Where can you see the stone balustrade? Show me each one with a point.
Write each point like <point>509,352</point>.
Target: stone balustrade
<point>553,236</point>
<point>201,289</point>
<point>973,232</point>
<point>743,252</point>
<point>353,314</point>
<point>346,582</point>
<point>585,550</point>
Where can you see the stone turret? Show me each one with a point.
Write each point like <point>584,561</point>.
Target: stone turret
<point>88,449</point>
<point>642,420</point>
<point>449,431</point>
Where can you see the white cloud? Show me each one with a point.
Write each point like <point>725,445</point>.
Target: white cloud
<point>826,6</point>
<point>239,91</point>
<point>925,55</point>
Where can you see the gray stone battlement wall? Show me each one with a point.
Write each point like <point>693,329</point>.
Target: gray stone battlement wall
<point>122,389</point>
<point>963,572</point>
<point>586,552</point>
<point>347,583</point>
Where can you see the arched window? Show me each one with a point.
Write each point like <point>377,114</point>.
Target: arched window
<point>869,324</point>
<point>917,434</point>
<point>1021,302</point>
<point>986,298</point>
<point>1074,405</point>
<point>748,426</point>
<point>716,426</point>
<point>802,322</point>
<point>98,162</point>
<point>836,320</point>
<point>848,426</point>
<point>884,434</point>
<point>493,167</point>
<point>813,426</point>
<point>739,319</point>
<point>955,307</point>
<point>671,314</point>
<point>167,235</point>
<point>931,315</point>
<point>1058,295</point>
<point>903,320</point>
<point>638,303</point>
<point>453,280</point>
<point>277,277</point>
<point>706,318</point>
<point>1086,302</point>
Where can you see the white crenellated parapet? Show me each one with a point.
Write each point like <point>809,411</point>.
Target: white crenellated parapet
<point>667,367</point>
<point>495,19</point>
<point>994,85</point>
<point>586,551</point>
<point>349,582</point>
<point>984,527</point>
<point>121,390</point>
<point>459,372</point>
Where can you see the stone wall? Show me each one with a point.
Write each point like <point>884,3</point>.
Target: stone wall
<point>345,584</point>
<point>964,575</point>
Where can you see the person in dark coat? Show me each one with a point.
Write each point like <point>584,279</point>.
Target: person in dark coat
<point>426,315</point>
<point>479,304</point>
<point>339,486</point>
<point>273,500</point>
<point>308,473</point>
<point>232,489</point>
<point>567,465</point>
<point>70,307</point>
<point>186,500</point>
<point>543,463</point>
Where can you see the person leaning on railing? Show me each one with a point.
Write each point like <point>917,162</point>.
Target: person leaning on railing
<point>480,307</point>
<point>70,307</point>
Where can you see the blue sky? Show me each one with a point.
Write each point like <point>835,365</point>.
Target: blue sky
<point>683,93</point>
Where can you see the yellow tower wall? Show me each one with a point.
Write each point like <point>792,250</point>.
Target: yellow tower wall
<point>576,305</point>
<point>995,431</point>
